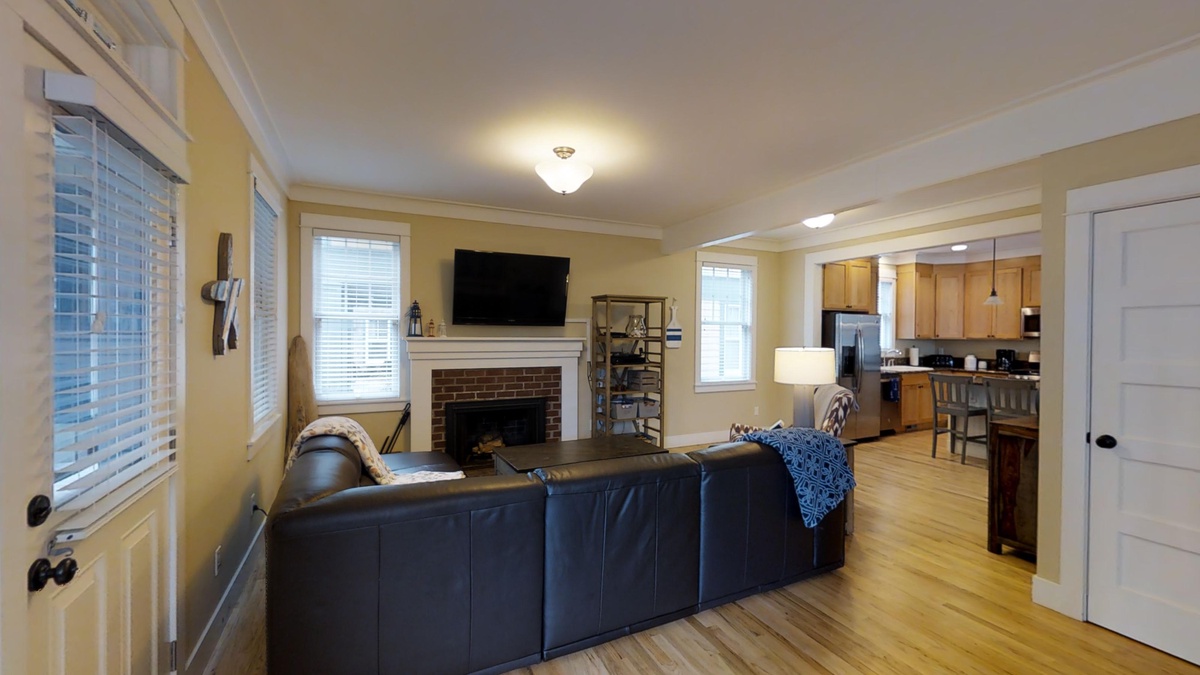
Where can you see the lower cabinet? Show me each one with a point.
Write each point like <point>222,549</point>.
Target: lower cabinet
<point>1012,484</point>
<point>916,400</point>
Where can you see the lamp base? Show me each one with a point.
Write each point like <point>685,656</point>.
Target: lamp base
<point>803,414</point>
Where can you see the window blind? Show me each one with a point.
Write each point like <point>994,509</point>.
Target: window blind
<point>356,317</point>
<point>886,294</point>
<point>264,347</point>
<point>114,329</point>
<point>726,322</point>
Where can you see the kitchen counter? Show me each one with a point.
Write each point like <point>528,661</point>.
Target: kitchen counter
<point>904,369</point>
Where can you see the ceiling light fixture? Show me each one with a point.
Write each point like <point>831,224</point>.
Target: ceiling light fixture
<point>817,222</point>
<point>564,175</point>
<point>958,247</point>
<point>993,299</point>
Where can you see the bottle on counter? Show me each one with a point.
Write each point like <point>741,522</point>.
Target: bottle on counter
<point>969,363</point>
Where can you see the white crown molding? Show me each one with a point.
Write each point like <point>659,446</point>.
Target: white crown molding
<point>219,49</point>
<point>1110,102</point>
<point>944,214</point>
<point>489,214</point>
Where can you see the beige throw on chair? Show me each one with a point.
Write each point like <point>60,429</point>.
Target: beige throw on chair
<point>302,398</point>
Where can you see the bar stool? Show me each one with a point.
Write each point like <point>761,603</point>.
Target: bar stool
<point>952,397</point>
<point>1007,399</point>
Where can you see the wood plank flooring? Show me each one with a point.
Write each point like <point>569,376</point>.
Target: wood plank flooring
<point>919,594</point>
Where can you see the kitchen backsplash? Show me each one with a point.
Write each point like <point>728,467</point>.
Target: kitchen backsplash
<point>982,349</point>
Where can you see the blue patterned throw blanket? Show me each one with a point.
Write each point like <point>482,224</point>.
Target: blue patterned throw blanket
<point>817,462</point>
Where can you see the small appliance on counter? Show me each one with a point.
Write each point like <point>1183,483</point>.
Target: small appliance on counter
<point>970,362</point>
<point>940,361</point>
<point>1005,358</point>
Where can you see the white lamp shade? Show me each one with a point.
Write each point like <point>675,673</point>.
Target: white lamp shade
<point>564,175</point>
<point>805,365</point>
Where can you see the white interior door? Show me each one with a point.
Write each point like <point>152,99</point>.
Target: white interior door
<point>1144,551</point>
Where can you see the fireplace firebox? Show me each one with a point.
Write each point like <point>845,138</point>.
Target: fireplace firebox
<point>474,429</point>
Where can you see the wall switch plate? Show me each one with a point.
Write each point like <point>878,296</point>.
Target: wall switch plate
<point>756,411</point>
<point>217,562</point>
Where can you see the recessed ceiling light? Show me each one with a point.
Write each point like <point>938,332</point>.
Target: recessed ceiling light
<point>817,222</point>
<point>958,247</point>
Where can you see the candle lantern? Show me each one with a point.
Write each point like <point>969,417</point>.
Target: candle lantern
<point>414,320</point>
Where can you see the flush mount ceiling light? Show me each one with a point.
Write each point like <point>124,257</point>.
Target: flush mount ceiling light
<point>817,222</point>
<point>564,175</point>
<point>958,247</point>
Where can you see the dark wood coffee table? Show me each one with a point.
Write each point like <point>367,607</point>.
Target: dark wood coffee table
<point>526,458</point>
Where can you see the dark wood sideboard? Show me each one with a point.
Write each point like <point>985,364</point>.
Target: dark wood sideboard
<point>1013,485</point>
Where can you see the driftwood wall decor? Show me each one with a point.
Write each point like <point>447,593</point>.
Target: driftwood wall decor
<point>224,293</point>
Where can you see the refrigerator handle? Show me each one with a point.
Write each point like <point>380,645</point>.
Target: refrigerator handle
<point>858,360</point>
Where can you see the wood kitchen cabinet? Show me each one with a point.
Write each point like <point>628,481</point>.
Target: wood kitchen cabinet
<point>851,285</point>
<point>1031,286</point>
<point>1000,322</point>
<point>914,301</point>
<point>948,283</point>
<point>916,400</point>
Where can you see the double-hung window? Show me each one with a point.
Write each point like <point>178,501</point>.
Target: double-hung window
<point>265,347</point>
<point>353,312</point>
<point>115,327</point>
<point>887,306</point>
<point>725,287</point>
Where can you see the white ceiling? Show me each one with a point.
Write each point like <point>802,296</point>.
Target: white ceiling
<point>682,106</point>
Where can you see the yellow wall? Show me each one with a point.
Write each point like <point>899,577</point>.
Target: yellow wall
<point>599,264</point>
<point>1160,148</point>
<point>217,478</point>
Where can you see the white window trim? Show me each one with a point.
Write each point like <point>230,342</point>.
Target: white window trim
<point>888,273</point>
<point>367,229</point>
<point>750,262</point>
<point>261,183</point>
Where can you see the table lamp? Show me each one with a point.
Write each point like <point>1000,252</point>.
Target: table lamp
<point>804,368</point>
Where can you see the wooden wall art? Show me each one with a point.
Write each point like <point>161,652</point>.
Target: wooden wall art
<point>224,293</point>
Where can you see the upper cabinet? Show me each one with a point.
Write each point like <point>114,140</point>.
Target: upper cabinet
<point>1032,285</point>
<point>948,301</point>
<point>914,301</point>
<point>851,285</point>
<point>1000,322</point>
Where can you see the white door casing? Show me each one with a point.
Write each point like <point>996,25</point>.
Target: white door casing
<point>1144,528</point>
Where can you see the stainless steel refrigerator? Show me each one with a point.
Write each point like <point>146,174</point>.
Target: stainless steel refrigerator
<point>855,341</point>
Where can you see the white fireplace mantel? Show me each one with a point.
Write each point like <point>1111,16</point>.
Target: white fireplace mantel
<point>429,354</point>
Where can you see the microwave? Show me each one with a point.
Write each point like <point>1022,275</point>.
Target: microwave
<point>1031,322</point>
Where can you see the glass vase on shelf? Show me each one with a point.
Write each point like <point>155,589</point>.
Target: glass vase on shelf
<point>636,326</point>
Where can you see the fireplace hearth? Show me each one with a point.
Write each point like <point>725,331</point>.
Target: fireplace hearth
<point>474,429</point>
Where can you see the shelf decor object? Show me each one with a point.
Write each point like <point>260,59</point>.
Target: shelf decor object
<point>223,293</point>
<point>627,367</point>
<point>414,320</point>
<point>804,368</point>
<point>674,330</point>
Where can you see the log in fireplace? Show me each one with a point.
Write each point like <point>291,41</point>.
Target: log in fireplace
<point>474,429</point>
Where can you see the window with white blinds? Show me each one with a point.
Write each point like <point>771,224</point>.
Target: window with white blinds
<point>356,313</point>
<point>726,320</point>
<point>115,325</point>
<point>264,337</point>
<point>886,293</point>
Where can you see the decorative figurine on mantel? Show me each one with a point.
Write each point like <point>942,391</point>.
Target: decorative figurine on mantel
<point>429,330</point>
<point>224,293</point>
<point>414,320</point>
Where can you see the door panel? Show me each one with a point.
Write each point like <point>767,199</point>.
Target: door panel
<point>858,282</point>
<point>1006,318</point>
<point>977,317</point>
<point>925,303</point>
<point>835,286</point>
<point>948,300</point>
<point>1144,551</point>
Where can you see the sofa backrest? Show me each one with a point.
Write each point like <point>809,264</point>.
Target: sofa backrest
<point>752,536</point>
<point>622,546</point>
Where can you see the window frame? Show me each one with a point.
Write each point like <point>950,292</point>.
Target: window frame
<point>887,274</point>
<point>311,223</point>
<point>750,264</point>
<point>262,184</point>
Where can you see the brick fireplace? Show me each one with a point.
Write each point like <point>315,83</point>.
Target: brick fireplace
<point>477,369</point>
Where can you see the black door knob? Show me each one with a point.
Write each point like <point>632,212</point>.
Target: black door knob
<point>38,510</point>
<point>40,573</point>
<point>1107,442</point>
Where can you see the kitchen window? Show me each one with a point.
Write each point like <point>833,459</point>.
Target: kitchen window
<point>725,321</point>
<point>353,306</point>
<point>887,307</point>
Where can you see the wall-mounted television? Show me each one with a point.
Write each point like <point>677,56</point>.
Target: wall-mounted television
<point>510,289</point>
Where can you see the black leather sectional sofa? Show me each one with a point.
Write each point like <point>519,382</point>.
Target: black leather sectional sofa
<point>488,574</point>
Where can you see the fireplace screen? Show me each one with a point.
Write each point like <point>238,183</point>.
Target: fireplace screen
<point>476,429</point>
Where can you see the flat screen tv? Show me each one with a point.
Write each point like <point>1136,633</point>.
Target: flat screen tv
<point>510,289</point>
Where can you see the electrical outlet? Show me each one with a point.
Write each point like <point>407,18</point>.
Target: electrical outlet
<point>217,562</point>
<point>253,506</point>
<point>756,411</point>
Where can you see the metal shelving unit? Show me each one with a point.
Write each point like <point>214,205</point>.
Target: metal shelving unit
<point>611,382</point>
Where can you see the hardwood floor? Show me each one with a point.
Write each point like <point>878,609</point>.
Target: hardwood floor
<point>919,594</point>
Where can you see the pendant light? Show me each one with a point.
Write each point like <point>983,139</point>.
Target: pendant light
<point>993,299</point>
<point>564,175</point>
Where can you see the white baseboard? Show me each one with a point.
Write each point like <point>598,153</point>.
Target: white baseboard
<point>698,439</point>
<point>207,648</point>
<point>1055,596</point>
